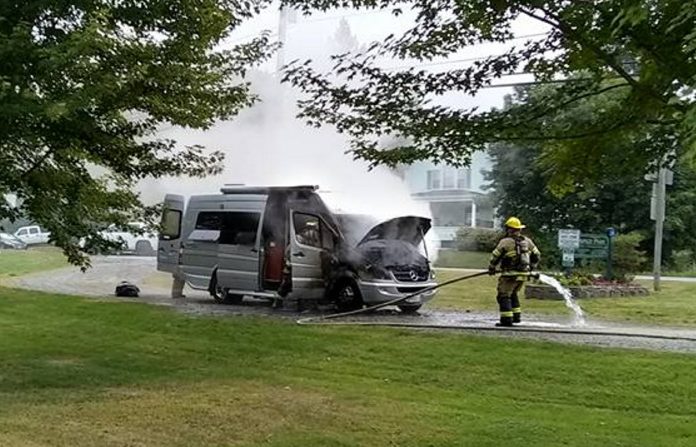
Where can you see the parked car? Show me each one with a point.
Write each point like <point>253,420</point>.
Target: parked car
<point>11,242</point>
<point>32,235</point>
<point>131,242</point>
<point>284,243</point>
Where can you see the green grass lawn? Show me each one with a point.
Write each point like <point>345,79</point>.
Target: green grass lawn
<point>462,259</point>
<point>675,304</point>
<point>23,262</point>
<point>687,273</point>
<point>76,372</point>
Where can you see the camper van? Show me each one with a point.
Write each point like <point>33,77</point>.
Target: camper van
<point>284,243</point>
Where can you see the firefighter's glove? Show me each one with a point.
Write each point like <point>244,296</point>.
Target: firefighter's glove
<point>491,270</point>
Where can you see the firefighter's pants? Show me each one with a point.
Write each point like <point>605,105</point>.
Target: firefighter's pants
<point>508,298</point>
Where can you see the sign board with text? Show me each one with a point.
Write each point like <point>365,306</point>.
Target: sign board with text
<point>568,240</point>
<point>568,259</point>
<point>593,246</point>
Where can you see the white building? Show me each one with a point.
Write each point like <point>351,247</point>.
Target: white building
<point>455,195</point>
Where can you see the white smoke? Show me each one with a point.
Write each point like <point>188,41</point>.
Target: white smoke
<point>266,145</point>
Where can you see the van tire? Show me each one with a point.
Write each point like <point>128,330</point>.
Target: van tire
<point>347,295</point>
<point>409,308</point>
<point>222,296</point>
<point>144,248</point>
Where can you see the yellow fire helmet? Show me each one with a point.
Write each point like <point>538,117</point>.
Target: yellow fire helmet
<point>515,223</point>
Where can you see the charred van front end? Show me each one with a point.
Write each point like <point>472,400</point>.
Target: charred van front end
<point>391,259</point>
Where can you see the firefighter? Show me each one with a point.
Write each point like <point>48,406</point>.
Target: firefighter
<point>517,256</point>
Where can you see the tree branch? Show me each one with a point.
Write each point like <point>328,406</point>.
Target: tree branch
<point>579,136</point>
<point>568,31</point>
<point>39,162</point>
<point>572,100</point>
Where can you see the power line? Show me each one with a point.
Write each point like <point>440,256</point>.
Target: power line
<point>530,83</point>
<point>457,61</point>
<point>435,64</point>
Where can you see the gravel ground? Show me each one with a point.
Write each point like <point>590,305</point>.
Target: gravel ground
<point>100,281</point>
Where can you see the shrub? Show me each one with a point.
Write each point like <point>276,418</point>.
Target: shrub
<point>683,261</point>
<point>550,253</point>
<point>477,239</point>
<point>628,258</point>
<point>575,279</point>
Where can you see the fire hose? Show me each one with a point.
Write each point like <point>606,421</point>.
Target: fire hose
<point>390,302</point>
<point>322,318</point>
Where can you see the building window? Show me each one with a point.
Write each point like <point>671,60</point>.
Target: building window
<point>434,179</point>
<point>448,175</point>
<point>464,178</point>
<point>451,214</point>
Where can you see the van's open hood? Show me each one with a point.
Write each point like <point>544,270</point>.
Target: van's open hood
<point>407,228</point>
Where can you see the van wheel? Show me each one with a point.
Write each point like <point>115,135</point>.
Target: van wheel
<point>347,296</point>
<point>222,296</point>
<point>409,308</point>
<point>144,248</point>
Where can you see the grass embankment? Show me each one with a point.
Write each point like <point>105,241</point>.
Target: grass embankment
<point>80,373</point>
<point>675,304</point>
<point>24,262</point>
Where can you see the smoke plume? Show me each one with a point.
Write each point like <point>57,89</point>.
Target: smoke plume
<point>267,146</point>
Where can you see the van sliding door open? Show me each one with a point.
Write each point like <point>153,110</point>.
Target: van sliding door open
<point>238,257</point>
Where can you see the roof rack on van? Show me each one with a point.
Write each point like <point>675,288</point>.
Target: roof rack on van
<point>265,189</point>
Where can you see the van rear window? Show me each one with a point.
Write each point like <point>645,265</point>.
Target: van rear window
<point>171,225</point>
<point>235,227</point>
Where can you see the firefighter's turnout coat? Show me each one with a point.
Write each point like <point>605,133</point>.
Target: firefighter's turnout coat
<point>516,256</point>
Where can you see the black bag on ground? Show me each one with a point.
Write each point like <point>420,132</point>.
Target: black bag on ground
<point>127,289</point>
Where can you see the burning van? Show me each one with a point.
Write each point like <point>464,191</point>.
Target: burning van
<point>284,243</point>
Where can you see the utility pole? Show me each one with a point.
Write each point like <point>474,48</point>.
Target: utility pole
<point>659,216</point>
<point>657,213</point>
<point>282,38</point>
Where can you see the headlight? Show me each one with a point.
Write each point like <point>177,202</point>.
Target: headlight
<point>432,274</point>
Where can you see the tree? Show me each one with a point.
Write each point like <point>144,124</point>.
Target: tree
<point>84,86</point>
<point>681,212</point>
<point>642,50</point>
<point>344,39</point>
<point>616,197</point>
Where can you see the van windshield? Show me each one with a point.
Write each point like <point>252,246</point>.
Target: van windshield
<point>355,226</point>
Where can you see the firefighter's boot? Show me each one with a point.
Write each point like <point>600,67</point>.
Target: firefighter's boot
<point>516,309</point>
<point>505,305</point>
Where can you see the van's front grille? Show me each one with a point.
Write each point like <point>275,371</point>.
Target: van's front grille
<point>410,274</point>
